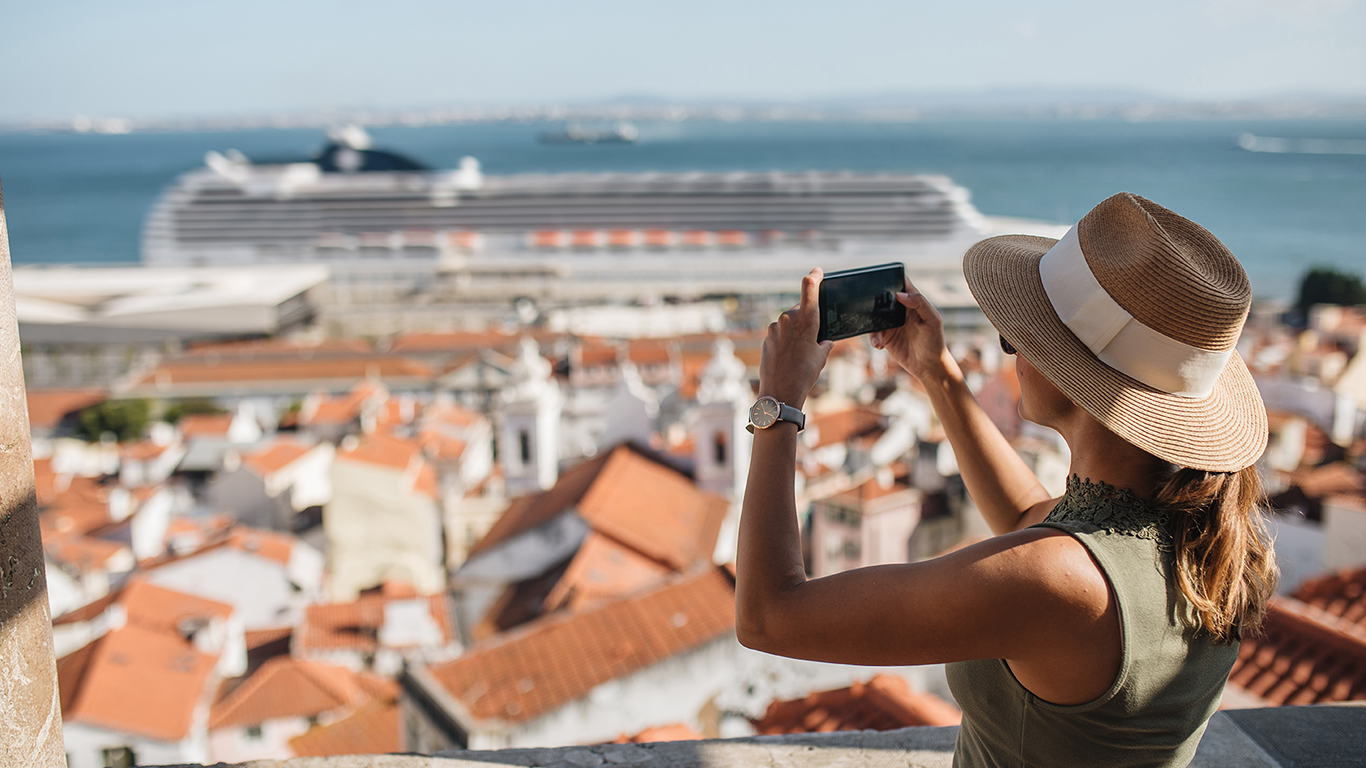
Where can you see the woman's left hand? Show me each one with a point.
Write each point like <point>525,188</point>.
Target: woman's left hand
<point>792,359</point>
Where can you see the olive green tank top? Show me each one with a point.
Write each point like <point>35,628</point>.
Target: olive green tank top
<point>1170,678</point>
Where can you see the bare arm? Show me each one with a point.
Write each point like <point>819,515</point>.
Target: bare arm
<point>1005,490</point>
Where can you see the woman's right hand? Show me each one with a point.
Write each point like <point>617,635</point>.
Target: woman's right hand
<point>918,346</point>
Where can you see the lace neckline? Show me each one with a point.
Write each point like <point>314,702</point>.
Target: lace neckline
<point>1111,509</point>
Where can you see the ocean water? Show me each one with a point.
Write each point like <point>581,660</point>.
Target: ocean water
<point>73,198</point>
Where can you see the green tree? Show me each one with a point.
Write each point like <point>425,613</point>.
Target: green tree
<point>125,419</point>
<point>1326,285</point>
<point>175,411</point>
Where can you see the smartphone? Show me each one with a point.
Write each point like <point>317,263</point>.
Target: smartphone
<point>858,301</point>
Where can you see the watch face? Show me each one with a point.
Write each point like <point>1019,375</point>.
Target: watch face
<point>764,414</point>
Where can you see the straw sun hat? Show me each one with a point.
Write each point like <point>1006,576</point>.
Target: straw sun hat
<point>1133,314</point>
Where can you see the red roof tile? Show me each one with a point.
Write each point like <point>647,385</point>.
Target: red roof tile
<point>882,704</point>
<point>653,509</point>
<point>82,553</point>
<point>452,341</point>
<point>278,454</point>
<point>166,610</point>
<point>271,545</point>
<point>633,499</point>
<point>285,687</point>
<point>47,408</point>
<point>843,426</point>
<point>142,450</point>
<point>79,506</point>
<point>135,680</point>
<point>1331,479</point>
<point>1303,656</point>
<point>1342,594</point>
<point>562,657</point>
<point>356,625</point>
<point>373,730</point>
<point>302,369</point>
<point>262,348</point>
<point>259,638</point>
<point>603,569</point>
<point>201,425</point>
<point>528,512</point>
<point>384,450</point>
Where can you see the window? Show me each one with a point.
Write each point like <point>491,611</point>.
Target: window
<point>254,732</point>
<point>719,448</point>
<point>524,440</point>
<point>118,757</point>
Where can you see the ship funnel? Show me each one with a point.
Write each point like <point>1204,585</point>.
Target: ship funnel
<point>350,135</point>
<point>233,167</point>
<point>469,175</point>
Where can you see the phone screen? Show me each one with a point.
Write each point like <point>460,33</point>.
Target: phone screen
<point>858,301</point>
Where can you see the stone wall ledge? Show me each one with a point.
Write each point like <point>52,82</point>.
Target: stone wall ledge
<point>1323,735</point>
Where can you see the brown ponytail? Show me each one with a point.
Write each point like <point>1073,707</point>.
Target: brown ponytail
<point>1224,561</point>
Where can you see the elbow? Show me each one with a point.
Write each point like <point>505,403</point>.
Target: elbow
<point>756,631</point>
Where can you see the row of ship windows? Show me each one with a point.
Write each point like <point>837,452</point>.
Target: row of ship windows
<point>567,238</point>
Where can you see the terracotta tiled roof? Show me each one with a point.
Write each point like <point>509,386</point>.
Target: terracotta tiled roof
<point>449,414</point>
<point>384,450</point>
<point>258,638</point>
<point>532,510</point>
<point>441,447</point>
<point>1331,479</point>
<point>882,704</point>
<point>285,687</point>
<point>1303,656</point>
<point>842,426</point>
<point>142,450</point>
<point>271,545</point>
<point>603,569</point>
<point>166,610</point>
<point>355,625</point>
<point>79,506</point>
<point>278,454</point>
<point>649,351</point>
<point>272,348</point>
<point>653,509</point>
<point>301,369</point>
<point>559,659</point>
<point>452,341</point>
<point>135,680</point>
<point>201,425</point>
<point>151,607</point>
<point>373,730</point>
<point>1342,594</point>
<point>633,499</point>
<point>47,408</point>
<point>81,553</point>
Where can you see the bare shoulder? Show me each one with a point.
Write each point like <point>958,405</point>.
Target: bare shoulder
<point>1054,565</point>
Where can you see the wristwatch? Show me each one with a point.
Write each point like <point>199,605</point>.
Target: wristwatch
<point>767,411</point>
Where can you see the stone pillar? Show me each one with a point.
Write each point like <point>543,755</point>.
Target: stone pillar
<point>30,707</point>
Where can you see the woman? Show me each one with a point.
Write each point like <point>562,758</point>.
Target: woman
<point>1097,628</point>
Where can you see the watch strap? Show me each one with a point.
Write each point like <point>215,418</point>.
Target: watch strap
<point>794,415</point>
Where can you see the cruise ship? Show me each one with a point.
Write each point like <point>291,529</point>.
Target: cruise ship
<point>389,227</point>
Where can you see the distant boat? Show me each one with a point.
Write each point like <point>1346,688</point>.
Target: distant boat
<point>1277,145</point>
<point>621,133</point>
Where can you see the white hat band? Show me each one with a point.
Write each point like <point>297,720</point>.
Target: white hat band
<point>1115,337</point>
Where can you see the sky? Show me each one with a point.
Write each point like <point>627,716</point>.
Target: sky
<point>201,58</point>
